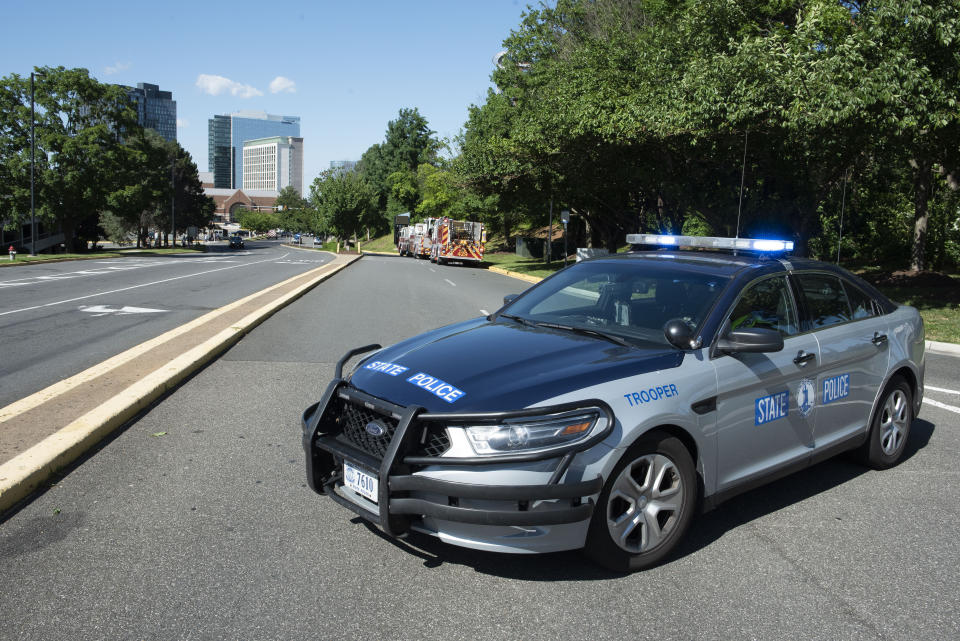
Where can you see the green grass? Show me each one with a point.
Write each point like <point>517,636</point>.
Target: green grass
<point>380,244</point>
<point>527,266</point>
<point>939,307</point>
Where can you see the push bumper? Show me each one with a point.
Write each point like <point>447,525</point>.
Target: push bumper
<point>406,495</point>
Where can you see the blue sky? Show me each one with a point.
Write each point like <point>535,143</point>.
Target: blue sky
<point>346,68</point>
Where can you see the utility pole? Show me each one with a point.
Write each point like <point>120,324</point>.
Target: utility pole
<point>550,235</point>
<point>33,147</point>
<point>173,197</point>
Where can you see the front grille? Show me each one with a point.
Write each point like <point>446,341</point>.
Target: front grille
<point>353,419</point>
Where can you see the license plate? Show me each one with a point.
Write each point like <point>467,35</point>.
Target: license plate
<point>360,482</point>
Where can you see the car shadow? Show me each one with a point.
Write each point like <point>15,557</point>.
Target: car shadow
<point>706,528</point>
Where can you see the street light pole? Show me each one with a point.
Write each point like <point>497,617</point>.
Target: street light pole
<point>173,196</point>
<point>33,146</point>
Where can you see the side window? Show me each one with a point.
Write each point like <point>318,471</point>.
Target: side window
<point>825,299</point>
<point>861,304</point>
<point>768,304</point>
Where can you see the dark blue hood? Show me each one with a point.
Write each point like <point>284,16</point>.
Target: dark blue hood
<point>495,366</point>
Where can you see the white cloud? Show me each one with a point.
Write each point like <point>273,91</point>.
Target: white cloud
<point>118,67</point>
<point>182,122</point>
<point>281,83</point>
<point>216,85</point>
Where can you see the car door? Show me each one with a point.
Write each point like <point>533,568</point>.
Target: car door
<point>854,353</point>
<point>765,409</point>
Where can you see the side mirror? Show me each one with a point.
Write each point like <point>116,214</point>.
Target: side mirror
<point>678,333</point>
<point>509,298</point>
<point>751,339</point>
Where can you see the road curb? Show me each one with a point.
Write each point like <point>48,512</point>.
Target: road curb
<point>946,349</point>
<point>507,272</point>
<point>24,473</point>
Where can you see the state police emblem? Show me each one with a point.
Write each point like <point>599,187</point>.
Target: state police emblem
<point>806,396</point>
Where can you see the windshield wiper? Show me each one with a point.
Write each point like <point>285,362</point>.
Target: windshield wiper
<point>613,338</point>
<point>520,319</point>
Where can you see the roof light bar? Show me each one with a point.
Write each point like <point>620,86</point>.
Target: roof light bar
<point>712,242</point>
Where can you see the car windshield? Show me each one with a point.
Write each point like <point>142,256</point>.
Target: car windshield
<point>630,299</point>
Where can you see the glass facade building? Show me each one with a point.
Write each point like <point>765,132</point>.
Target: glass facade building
<point>243,126</point>
<point>156,109</point>
<point>219,154</point>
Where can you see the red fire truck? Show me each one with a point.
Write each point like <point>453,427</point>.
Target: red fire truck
<point>457,240</point>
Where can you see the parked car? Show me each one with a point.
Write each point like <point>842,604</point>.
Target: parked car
<point>603,407</point>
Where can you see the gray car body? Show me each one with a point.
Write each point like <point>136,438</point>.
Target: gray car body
<point>710,402</point>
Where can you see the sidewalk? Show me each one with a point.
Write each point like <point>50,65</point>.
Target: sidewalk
<point>44,432</point>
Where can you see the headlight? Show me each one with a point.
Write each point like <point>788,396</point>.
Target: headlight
<point>528,435</point>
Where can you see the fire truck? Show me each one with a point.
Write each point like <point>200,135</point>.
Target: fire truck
<point>420,240</point>
<point>404,244</point>
<point>457,240</point>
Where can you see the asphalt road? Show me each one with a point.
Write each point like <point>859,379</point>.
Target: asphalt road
<point>196,523</point>
<point>58,319</point>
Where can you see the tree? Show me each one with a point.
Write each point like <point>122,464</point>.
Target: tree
<point>259,222</point>
<point>391,167</point>
<point>345,203</point>
<point>145,183</point>
<point>79,148</point>
<point>294,211</point>
<point>193,208</point>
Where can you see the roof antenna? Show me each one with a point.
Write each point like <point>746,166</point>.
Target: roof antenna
<point>743,175</point>
<point>843,202</point>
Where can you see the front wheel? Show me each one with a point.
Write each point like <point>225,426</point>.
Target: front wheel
<point>891,426</point>
<point>646,505</point>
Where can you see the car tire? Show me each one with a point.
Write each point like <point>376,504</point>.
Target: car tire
<point>890,427</point>
<point>645,506</point>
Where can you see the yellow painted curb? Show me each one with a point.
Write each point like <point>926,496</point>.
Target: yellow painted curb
<point>507,272</point>
<point>24,473</point>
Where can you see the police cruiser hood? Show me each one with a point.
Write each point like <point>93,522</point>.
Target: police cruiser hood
<point>500,365</point>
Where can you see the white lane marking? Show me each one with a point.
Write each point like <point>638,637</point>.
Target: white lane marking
<point>450,281</point>
<point>941,389</point>
<point>433,270</point>
<point>484,312</point>
<point>111,268</point>
<point>124,289</point>
<point>943,406</point>
<point>103,310</point>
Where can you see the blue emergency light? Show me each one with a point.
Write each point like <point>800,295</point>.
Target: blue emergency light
<point>712,242</point>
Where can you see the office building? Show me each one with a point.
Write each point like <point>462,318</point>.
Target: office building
<point>228,132</point>
<point>273,163</point>
<point>220,158</point>
<point>156,109</point>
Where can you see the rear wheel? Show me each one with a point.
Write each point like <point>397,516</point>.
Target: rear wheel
<point>646,505</point>
<point>891,426</point>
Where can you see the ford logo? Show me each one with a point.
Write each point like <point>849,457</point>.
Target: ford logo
<point>375,429</point>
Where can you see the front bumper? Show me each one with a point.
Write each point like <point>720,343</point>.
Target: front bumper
<point>409,493</point>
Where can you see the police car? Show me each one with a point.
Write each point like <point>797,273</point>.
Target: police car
<point>603,407</point>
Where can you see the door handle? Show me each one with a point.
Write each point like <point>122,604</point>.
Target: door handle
<point>804,357</point>
<point>879,339</point>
